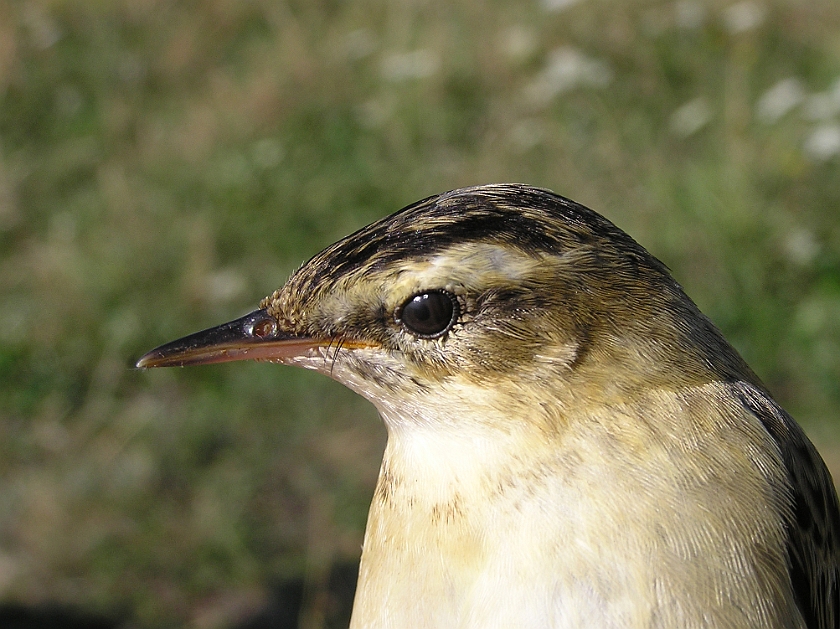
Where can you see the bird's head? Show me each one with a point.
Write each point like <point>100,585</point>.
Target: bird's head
<point>499,287</point>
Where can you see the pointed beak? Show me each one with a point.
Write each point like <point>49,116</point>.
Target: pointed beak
<point>256,336</point>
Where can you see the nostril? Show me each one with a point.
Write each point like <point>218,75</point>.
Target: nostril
<point>264,327</point>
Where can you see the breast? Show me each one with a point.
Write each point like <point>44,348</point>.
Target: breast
<point>617,521</point>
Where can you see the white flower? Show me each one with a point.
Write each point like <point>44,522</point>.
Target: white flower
<point>743,16</point>
<point>801,246</point>
<point>823,143</point>
<point>567,69</point>
<point>820,106</point>
<point>691,117</point>
<point>224,285</point>
<point>779,100</point>
<point>417,64</point>
<point>558,5</point>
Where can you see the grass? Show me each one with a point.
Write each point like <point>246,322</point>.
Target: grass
<point>165,165</point>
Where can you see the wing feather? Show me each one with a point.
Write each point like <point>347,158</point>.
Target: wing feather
<point>814,530</point>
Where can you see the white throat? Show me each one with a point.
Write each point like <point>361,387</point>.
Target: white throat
<point>469,524</point>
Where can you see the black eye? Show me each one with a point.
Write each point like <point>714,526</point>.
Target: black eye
<point>430,314</point>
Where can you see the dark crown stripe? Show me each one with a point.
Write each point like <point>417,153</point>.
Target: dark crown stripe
<point>531,219</point>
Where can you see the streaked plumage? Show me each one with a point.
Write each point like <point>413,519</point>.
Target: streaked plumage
<point>571,442</point>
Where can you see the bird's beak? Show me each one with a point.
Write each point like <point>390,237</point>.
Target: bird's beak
<point>256,336</point>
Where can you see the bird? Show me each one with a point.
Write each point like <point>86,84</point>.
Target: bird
<point>571,442</point>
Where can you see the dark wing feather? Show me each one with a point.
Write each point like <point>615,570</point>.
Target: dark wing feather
<point>814,532</point>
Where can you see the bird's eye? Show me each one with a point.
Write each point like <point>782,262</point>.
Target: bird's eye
<point>430,314</point>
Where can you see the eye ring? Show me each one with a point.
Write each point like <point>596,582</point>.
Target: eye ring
<point>429,314</point>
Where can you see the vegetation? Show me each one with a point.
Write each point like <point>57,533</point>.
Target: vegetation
<point>164,165</point>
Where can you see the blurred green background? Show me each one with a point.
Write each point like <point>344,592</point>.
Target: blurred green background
<point>165,165</point>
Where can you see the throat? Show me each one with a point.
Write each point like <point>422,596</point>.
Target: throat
<point>446,518</point>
